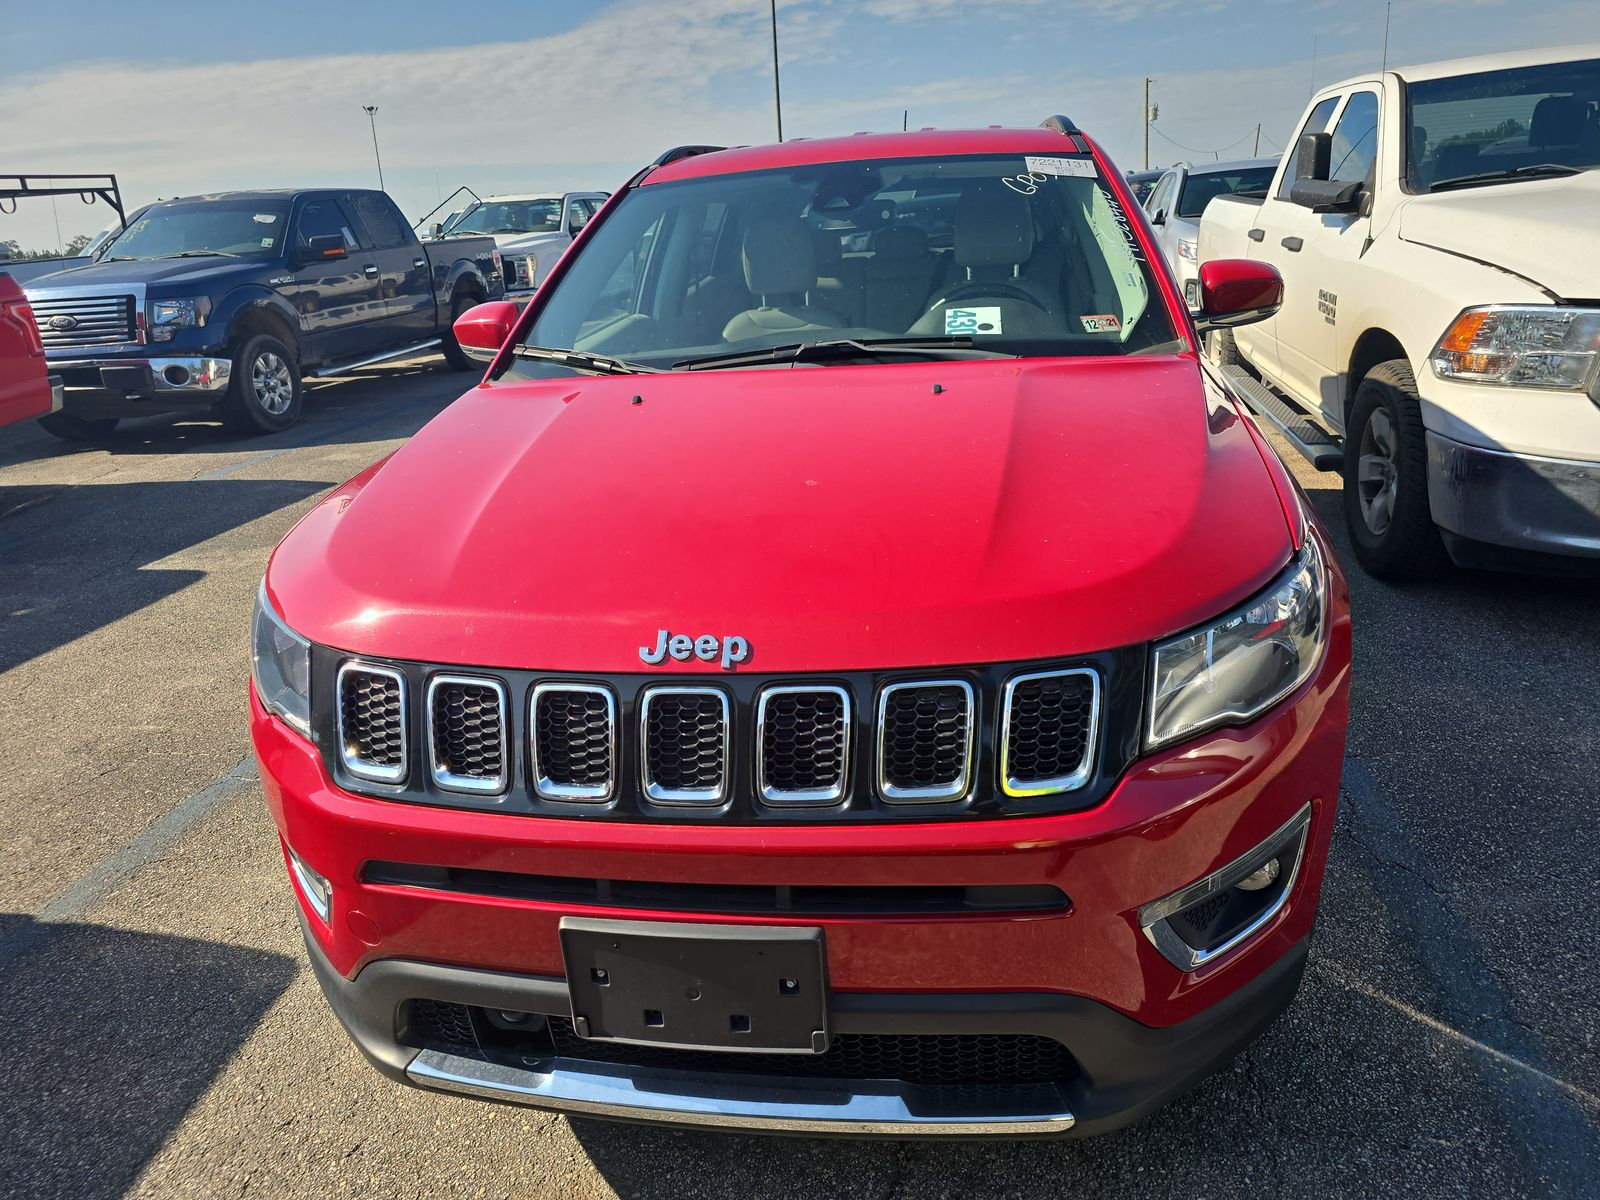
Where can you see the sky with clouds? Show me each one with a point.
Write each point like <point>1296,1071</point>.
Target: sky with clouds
<point>205,95</point>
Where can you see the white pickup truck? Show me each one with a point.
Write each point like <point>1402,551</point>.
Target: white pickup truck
<point>531,230</point>
<point>1438,232</point>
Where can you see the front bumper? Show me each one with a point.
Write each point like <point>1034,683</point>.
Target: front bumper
<point>1126,1069</point>
<point>120,387</point>
<point>1521,503</point>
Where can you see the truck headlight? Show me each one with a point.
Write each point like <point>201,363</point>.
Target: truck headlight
<point>528,270</point>
<point>1187,248</point>
<point>1521,346</point>
<point>1240,665</point>
<point>280,665</point>
<point>169,316</point>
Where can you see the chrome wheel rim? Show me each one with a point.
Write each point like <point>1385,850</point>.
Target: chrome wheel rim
<point>271,383</point>
<point>1378,473</point>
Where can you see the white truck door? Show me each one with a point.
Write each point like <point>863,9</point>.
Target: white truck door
<point>1274,222</point>
<point>1330,246</point>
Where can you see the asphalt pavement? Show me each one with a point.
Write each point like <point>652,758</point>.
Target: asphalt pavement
<point>160,1034</point>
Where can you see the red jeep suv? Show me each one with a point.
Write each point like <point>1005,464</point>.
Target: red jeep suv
<point>851,667</point>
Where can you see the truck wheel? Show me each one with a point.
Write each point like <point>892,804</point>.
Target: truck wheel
<point>1386,478</point>
<point>453,353</point>
<point>76,429</point>
<point>264,392</point>
<point>1221,347</point>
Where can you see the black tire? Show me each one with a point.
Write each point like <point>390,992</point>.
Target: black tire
<point>265,394</point>
<point>453,353</point>
<point>77,429</point>
<point>1386,479</point>
<point>1222,349</point>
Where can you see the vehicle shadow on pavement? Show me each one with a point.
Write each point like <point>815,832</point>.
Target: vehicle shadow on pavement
<point>99,1063</point>
<point>340,408</point>
<point>84,559</point>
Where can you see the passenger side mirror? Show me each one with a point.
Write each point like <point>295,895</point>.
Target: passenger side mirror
<point>325,247</point>
<point>484,328</point>
<point>1159,217</point>
<point>1236,291</point>
<point>1326,195</point>
<point>436,229</point>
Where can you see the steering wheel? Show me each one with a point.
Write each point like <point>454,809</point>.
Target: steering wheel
<point>998,290</point>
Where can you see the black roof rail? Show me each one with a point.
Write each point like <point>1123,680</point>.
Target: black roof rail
<point>679,152</point>
<point>1060,124</point>
<point>676,154</point>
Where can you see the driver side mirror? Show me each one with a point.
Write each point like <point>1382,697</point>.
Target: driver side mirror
<point>484,328</point>
<point>1311,187</point>
<point>325,247</point>
<point>436,229</point>
<point>1237,291</point>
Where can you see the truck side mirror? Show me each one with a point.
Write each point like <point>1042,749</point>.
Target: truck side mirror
<point>484,328</point>
<point>1237,291</point>
<point>1314,157</point>
<point>325,247</point>
<point>436,229</point>
<point>1326,195</point>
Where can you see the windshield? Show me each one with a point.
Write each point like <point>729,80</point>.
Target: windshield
<point>1013,257</point>
<point>204,227</point>
<point>511,216</point>
<point>1499,122</point>
<point>1201,190</point>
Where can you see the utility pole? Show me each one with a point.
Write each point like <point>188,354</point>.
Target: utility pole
<point>1313,90</point>
<point>1146,115</point>
<point>372,118</point>
<point>1385,66</point>
<point>777,92</point>
<point>1256,153</point>
<point>905,119</point>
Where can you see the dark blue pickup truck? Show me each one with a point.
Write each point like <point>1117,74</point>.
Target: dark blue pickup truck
<point>227,301</point>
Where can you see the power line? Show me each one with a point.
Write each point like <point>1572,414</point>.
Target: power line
<point>1197,149</point>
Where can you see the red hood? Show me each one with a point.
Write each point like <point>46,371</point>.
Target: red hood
<point>837,518</point>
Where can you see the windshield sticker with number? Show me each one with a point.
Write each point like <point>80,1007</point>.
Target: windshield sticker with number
<point>1102,323</point>
<point>972,320</point>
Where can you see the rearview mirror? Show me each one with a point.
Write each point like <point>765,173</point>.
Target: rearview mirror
<point>484,328</point>
<point>326,247</point>
<point>1237,291</point>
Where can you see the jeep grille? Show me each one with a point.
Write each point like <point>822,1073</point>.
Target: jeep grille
<point>372,722</point>
<point>803,744</point>
<point>574,741</point>
<point>925,741</point>
<point>684,744</point>
<point>1048,736</point>
<point>467,728</point>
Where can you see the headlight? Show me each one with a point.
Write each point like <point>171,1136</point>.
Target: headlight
<point>1532,346</point>
<point>169,316</point>
<point>280,664</point>
<point>1188,249</point>
<point>530,269</point>
<point>1243,663</point>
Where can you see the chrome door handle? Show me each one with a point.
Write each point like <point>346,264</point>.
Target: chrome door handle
<point>370,269</point>
<point>419,262</point>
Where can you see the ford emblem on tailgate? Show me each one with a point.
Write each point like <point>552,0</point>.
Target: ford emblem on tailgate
<point>63,323</point>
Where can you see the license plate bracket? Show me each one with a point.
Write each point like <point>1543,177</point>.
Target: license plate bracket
<point>757,989</point>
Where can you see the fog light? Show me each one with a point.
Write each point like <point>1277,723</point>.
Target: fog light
<point>315,888</point>
<point>1256,880</point>
<point>1211,916</point>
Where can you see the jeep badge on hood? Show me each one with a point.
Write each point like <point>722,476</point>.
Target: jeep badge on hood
<point>680,646</point>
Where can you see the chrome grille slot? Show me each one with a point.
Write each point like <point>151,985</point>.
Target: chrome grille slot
<point>467,733</point>
<point>95,321</point>
<point>802,745</point>
<point>1048,731</point>
<point>372,722</point>
<point>925,741</point>
<point>574,741</point>
<point>684,740</point>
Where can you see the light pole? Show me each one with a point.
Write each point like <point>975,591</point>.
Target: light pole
<point>1147,84</point>
<point>372,118</point>
<point>777,92</point>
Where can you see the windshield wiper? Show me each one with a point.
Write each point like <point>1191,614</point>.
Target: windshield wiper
<point>951,346</point>
<point>578,360</point>
<point>199,254</point>
<point>1531,171</point>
